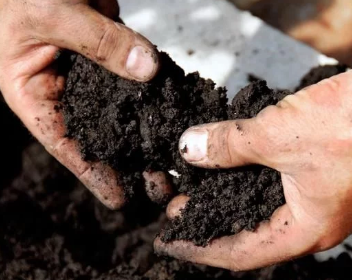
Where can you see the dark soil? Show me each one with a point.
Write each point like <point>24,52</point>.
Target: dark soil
<point>320,73</point>
<point>224,202</point>
<point>51,228</point>
<point>136,126</point>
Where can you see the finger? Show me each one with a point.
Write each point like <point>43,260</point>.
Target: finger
<point>113,45</point>
<point>277,137</point>
<point>41,114</point>
<point>225,144</point>
<point>281,239</point>
<point>175,207</point>
<point>158,187</point>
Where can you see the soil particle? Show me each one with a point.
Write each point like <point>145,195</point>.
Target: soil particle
<point>184,150</point>
<point>57,108</point>
<point>253,78</point>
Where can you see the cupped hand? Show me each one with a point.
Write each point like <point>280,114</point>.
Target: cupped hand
<point>308,138</point>
<point>32,33</point>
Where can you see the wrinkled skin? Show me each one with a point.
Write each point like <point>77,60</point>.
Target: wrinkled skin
<point>308,138</point>
<point>32,33</point>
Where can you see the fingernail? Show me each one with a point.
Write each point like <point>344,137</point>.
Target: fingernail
<point>141,63</point>
<point>194,145</point>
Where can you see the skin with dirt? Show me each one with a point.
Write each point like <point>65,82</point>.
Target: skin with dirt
<point>52,228</point>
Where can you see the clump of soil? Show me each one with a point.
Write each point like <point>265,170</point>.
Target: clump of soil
<point>136,126</point>
<point>320,73</point>
<point>224,202</point>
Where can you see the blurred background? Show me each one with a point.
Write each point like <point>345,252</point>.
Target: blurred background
<point>323,24</point>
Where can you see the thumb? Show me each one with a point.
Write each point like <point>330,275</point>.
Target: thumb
<point>226,144</point>
<point>113,45</point>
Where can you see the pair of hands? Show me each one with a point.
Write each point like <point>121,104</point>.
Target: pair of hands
<point>307,136</point>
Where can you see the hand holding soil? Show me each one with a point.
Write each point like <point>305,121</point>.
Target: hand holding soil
<point>32,33</point>
<point>133,127</point>
<point>307,138</point>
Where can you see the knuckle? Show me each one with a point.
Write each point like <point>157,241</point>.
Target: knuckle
<point>227,142</point>
<point>42,18</point>
<point>287,102</point>
<point>269,130</point>
<point>267,115</point>
<point>333,84</point>
<point>219,146</point>
<point>107,42</point>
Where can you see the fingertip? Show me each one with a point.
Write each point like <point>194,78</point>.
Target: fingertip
<point>142,63</point>
<point>181,250</point>
<point>112,203</point>
<point>100,179</point>
<point>159,246</point>
<point>158,187</point>
<point>103,182</point>
<point>175,207</point>
<point>193,144</point>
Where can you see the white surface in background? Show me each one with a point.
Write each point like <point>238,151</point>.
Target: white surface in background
<point>228,44</point>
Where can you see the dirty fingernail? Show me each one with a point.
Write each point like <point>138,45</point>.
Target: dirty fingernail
<point>141,63</point>
<point>194,145</point>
